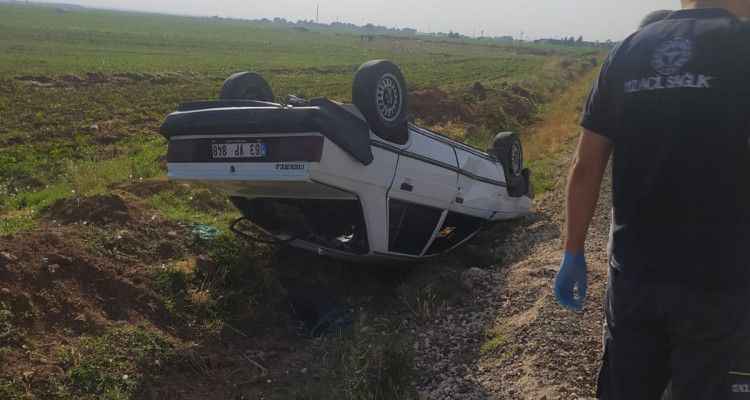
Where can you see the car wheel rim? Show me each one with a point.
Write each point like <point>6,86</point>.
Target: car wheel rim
<point>388,98</point>
<point>516,159</point>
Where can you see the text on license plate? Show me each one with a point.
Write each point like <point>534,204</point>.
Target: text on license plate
<point>239,150</point>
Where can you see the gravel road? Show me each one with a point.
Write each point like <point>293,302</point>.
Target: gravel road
<point>513,341</point>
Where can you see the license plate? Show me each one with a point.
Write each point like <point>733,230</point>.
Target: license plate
<point>238,150</point>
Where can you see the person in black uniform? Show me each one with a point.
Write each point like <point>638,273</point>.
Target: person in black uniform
<point>653,17</point>
<point>673,104</point>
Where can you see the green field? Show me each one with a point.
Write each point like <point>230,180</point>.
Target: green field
<point>89,88</point>
<point>37,40</point>
<point>82,95</point>
<point>43,41</point>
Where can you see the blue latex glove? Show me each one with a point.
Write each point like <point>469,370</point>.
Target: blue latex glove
<point>572,276</point>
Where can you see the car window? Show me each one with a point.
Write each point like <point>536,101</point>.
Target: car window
<point>410,226</point>
<point>455,229</point>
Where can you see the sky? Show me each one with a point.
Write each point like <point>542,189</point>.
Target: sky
<point>593,19</point>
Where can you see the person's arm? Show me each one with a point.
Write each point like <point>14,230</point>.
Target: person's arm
<point>584,183</point>
<point>600,123</point>
<point>589,164</point>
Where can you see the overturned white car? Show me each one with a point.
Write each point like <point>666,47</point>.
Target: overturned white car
<point>354,181</point>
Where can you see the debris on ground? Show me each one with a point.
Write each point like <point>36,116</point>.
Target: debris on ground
<point>205,232</point>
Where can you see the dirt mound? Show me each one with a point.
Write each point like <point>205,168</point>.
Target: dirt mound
<point>434,106</point>
<point>51,281</point>
<point>85,270</point>
<point>99,210</point>
<point>519,103</point>
<point>122,228</point>
<point>52,291</point>
<point>505,108</point>
<point>478,90</point>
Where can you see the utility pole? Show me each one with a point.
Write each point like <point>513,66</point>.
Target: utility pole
<point>317,14</point>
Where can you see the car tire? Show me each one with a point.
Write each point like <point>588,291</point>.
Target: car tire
<point>380,94</point>
<point>246,86</point>
<point>508,150</point>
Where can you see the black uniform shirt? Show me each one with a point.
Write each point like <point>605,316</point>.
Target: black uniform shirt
<point>674,99</point>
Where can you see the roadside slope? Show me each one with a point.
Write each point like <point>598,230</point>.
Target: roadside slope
<point>513,341</point>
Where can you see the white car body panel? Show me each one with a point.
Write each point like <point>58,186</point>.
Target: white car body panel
<point>424,183</point>
<point>370,183</point>
<point>479,198</point>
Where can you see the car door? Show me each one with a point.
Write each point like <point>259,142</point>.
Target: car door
<point>427,173</point>
<point>478,197</point>
<point>424,187</point>
<point>480,185</point>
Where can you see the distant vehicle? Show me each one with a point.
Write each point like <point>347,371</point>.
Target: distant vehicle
<point>350,181</point>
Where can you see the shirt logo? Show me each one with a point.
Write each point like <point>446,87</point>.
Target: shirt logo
<point>670,57</point>
<point>668,60</point>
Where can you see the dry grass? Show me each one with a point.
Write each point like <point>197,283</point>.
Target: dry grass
<point>557,129</point>
<point>559,121</point>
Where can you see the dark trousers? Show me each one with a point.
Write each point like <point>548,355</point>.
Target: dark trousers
<point>674,341</point>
